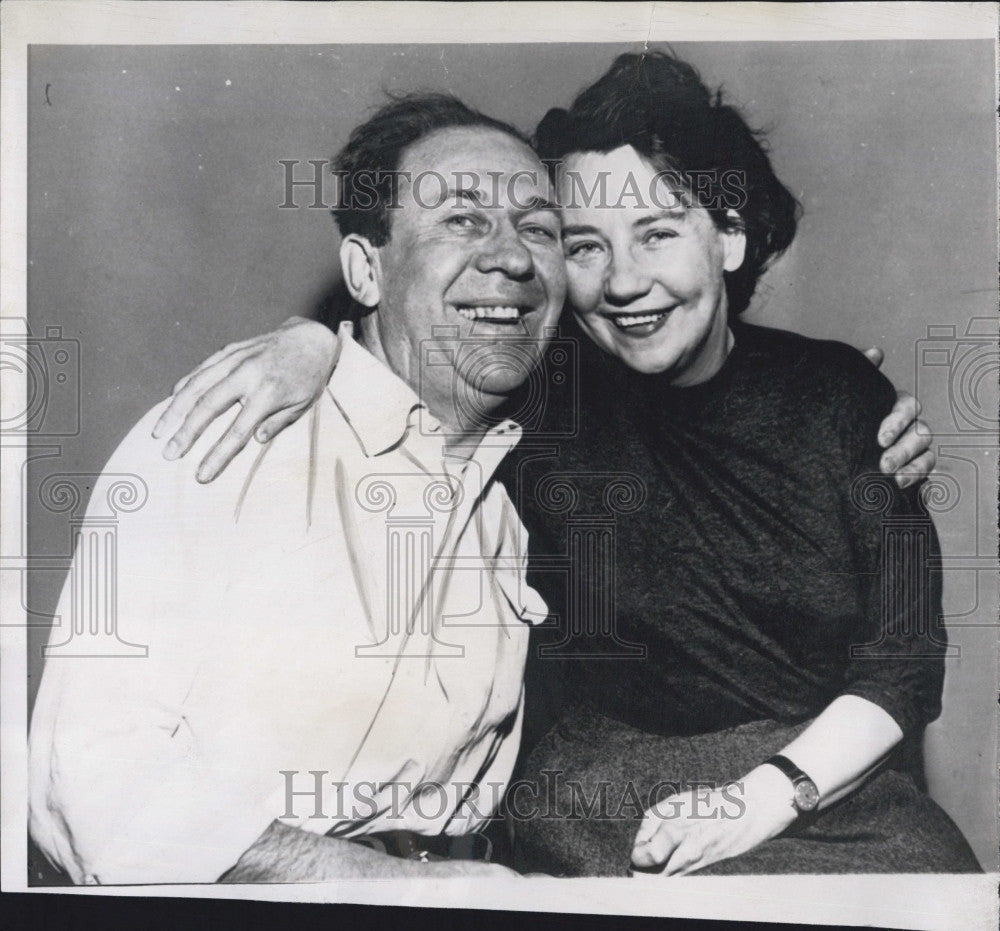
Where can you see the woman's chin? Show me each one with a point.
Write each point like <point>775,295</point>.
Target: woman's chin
<point>645,359</point>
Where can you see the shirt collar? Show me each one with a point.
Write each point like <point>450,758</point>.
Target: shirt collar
<point>376,402</point>
<point>380,407</point>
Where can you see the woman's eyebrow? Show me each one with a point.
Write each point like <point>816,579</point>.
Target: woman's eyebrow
<point>678,213</point>
<point>580,230</point>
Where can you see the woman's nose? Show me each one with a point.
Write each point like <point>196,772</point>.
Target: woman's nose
<point>625,282</point>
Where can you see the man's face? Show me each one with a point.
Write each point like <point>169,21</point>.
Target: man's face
<point>473,274</point>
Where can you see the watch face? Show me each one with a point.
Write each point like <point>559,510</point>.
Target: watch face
<point>806,795</point>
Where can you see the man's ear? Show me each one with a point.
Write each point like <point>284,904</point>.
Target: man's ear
<point>734,242</point>
<point>360,263</point>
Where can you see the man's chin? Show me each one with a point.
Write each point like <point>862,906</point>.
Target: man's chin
<point>499,369</point>
<point>492,398</point>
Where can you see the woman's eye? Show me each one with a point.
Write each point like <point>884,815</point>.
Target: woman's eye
<point>655,236</point>
<point>582,250</point>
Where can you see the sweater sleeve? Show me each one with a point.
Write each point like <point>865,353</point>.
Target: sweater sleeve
<point>897,651</point>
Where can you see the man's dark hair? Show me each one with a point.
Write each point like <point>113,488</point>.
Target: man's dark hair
<point>367,164</point>
<point>658,104</point>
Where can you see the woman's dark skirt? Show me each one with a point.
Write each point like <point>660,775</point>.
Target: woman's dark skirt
<point>593,778</point>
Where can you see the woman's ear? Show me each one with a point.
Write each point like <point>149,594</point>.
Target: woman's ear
<point>734,242</point>
<point>359,262</point>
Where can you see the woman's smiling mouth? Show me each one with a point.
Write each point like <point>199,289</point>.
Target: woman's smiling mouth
<point>643,323</point>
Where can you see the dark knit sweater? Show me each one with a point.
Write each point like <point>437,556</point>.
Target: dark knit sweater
<point>755,561</point>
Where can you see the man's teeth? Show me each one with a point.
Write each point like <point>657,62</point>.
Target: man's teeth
<point>489,313</point>
<point>630,320</point>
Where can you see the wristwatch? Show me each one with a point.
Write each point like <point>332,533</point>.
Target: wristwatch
<point>806,796</point>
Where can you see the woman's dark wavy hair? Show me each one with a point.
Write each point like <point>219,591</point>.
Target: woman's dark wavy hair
<point>658,104</point>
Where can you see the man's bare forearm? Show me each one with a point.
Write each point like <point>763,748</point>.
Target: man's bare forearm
<point>284,854</point>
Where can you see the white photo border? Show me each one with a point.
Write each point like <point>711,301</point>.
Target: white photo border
<point>948,902</point>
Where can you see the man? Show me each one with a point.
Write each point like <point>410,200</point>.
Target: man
<point>337,628</point>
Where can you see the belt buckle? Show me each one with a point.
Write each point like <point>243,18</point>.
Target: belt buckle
<point>473,846</point>
<point>407,845</point>
<point>423,849</point>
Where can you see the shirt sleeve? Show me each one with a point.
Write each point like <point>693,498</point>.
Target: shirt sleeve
<point>121,790</point>
<point>897,650</point>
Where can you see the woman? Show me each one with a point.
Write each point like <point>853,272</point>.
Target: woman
<point>768,726</point>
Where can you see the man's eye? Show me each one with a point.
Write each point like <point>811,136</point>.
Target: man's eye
<point>538,232</point>
<point>462,221</point>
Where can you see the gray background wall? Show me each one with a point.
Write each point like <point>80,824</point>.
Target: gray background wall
<point>155,237</point>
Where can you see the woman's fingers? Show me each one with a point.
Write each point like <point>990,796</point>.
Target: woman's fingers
<point>653,849</point>
<point>917,470</point>
<point>274,424</point>
<point>212,403</point>
<point>685,857</point>
<point>232,441</point>
<point>914,442</point>
<point>286,369</point>
<point>651,822</point>
<point>190,388</point>
<point>904,412</point>
<point>230,354</point>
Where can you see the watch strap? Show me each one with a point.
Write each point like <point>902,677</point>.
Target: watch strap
<point>801,783</point>
<point>788,768</point>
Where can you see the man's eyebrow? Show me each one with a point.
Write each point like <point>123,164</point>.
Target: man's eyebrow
<point>469,193</point>
<point>538,202</point>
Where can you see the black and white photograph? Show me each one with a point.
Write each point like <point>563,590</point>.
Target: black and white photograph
<point>535,457</point>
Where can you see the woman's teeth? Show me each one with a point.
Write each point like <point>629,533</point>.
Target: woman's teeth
<point>625,321</point>
<point>489,313</point>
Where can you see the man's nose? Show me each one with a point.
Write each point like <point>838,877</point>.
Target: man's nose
<point>504,252</point>
<point>625,281</point>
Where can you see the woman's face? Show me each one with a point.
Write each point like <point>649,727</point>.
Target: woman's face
<point>644,270</point>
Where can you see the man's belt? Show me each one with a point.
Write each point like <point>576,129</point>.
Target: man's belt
<point>427,848</point>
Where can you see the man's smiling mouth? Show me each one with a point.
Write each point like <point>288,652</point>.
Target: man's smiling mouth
<point>494,313</point>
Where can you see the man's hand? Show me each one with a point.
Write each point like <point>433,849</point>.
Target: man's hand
<point>276,377</point>
<point>686,832</point>
<point>906,440</point>
<point>284,854</point>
